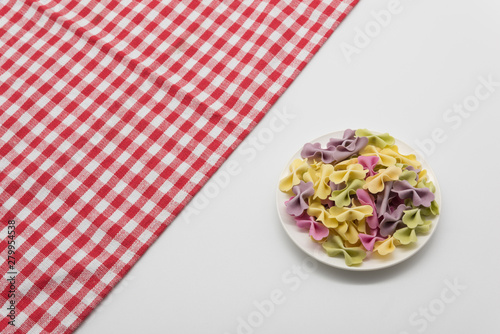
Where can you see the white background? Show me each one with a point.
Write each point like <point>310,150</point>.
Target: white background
<point>207,270</point>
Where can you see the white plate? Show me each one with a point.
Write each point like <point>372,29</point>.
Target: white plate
<point>373,261</point>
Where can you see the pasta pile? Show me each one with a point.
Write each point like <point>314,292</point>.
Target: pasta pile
<point>359,195</point>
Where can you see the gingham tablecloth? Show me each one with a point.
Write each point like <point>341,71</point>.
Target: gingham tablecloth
<point>113,114</point>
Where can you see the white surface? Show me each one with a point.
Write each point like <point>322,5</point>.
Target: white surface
<point>205,273</point>
<point>373,261</point>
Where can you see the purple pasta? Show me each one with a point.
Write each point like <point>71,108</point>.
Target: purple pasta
<point>384,198</point>
<point>315,151</point>
<point>347,146</point>
<point>335,186</point>
<point>296,205</point>
<point>418,196</point>
<point>391,220</point>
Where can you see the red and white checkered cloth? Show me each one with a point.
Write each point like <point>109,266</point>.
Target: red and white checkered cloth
<point>113,114</point>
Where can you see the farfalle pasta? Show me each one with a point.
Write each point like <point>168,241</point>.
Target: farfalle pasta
<point>359,195</point>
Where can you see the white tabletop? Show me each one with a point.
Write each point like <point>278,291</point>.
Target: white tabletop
<point>430,76</point>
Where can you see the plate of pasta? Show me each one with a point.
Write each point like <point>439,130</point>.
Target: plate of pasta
<point>358,200</point>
